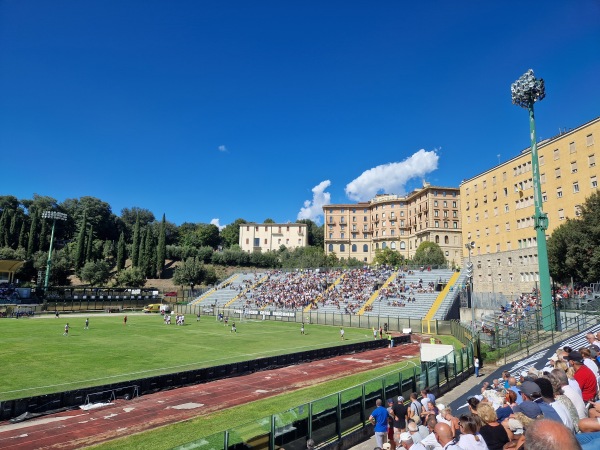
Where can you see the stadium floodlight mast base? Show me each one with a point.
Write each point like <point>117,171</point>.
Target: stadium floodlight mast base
<point>525,92</point>
<point>54,215</point>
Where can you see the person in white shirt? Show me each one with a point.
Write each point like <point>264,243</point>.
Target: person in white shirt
<point>571,393</point>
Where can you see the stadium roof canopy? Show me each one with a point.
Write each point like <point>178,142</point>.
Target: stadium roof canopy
<point>10,266</point>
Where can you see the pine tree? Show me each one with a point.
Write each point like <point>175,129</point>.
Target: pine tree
<point>135,245</point>
<point>32,235</point>
<point>161,249</point>
<point>80,252</point>
<point>121,252</point>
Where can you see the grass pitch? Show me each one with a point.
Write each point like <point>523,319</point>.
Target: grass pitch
<point>40,360</point>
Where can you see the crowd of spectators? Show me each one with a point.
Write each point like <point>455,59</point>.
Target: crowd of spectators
<point>562,398</point>
<point>346,291</point>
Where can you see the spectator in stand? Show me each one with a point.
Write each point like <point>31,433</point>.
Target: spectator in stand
<point>470,438</point>
<point>494,433</point>
<point>379,419</point>
<point>569,392</point>
<point>562,399</point>
<point>546,434</point>
<point>589,361</point>
<point>584,376</point>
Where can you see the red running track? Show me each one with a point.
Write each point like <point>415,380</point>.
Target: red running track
<point>80,428</point>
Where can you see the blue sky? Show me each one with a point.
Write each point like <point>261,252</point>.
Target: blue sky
<point>209,111</point>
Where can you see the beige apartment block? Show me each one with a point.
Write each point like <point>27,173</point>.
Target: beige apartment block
<point>400,223</point>
<point>262,237</point>
<point>497,207</point>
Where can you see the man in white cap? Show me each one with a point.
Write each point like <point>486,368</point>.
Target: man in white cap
<point>407,443</point>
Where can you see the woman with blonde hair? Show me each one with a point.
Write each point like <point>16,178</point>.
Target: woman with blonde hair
<point>470,438</point>
<point>453,421</point>
<point>494,433</point>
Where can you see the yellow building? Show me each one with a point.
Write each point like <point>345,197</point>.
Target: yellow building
<point>264,237</point>
<point>497,207</point>
<point>400,223</point>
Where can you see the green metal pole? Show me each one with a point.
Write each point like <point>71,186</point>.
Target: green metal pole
<point>540,225</point>
<point>49,262</point>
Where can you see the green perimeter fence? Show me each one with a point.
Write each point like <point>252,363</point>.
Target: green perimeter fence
<point>344,415</point>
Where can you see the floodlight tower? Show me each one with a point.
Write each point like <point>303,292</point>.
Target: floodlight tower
<point>525,92</point>
<point>54,215</point>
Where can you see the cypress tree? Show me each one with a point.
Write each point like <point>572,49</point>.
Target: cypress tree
<point>13,230</point>
<point>3,228</point>
<point>121,252</point>
<point>161,249</point>
<point>90,247</point>
<point>135,245</point>
<point>22,235</point>
<point>43,236</point>
<point>150,253</point>
<point>141,253</point>
<point>32,234</point>
<point>80,252</point>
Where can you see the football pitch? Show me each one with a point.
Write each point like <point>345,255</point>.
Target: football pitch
<point>39,359</point>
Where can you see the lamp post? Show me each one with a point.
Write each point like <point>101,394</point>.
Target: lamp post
<point>54,215</point>
<point>525,92</point>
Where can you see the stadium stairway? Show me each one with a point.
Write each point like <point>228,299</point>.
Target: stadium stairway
<point>376,294</point>
<point>441,297</point>
<point>329,288</point>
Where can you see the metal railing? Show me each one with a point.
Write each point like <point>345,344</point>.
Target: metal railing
<point>338,416</point>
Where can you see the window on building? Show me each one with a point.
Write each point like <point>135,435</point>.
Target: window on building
<point>445,224</point>
<point>561,214</point>
<point>507,226</point>
<point>446,240</point>
<point>589,140</point>
<point>572,147</point>
<point>504,176</point>
<point>594,182</point>
<point>592,160</point>
<point>556,154</point>
<point>557,172</point>
<point>436,224</point>
<point>402,245</point>
<point>330,247</point>
<point>577,210</point>
<point>559,192</point>
<point>542,177</point>
<point>544,197</point>
<point>575,187</point>
<point>342,248</point>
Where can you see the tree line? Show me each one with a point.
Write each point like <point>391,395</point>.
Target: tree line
<point>101,247</point>
<point>98,245</point>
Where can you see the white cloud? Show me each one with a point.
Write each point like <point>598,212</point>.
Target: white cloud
<point>313,210</point>
<point>391,178</point>
<point>216,222</point>
<point>222,148</point>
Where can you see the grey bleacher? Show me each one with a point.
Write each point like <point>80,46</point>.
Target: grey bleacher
<point>226,291</point>
<point>423,303</point>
